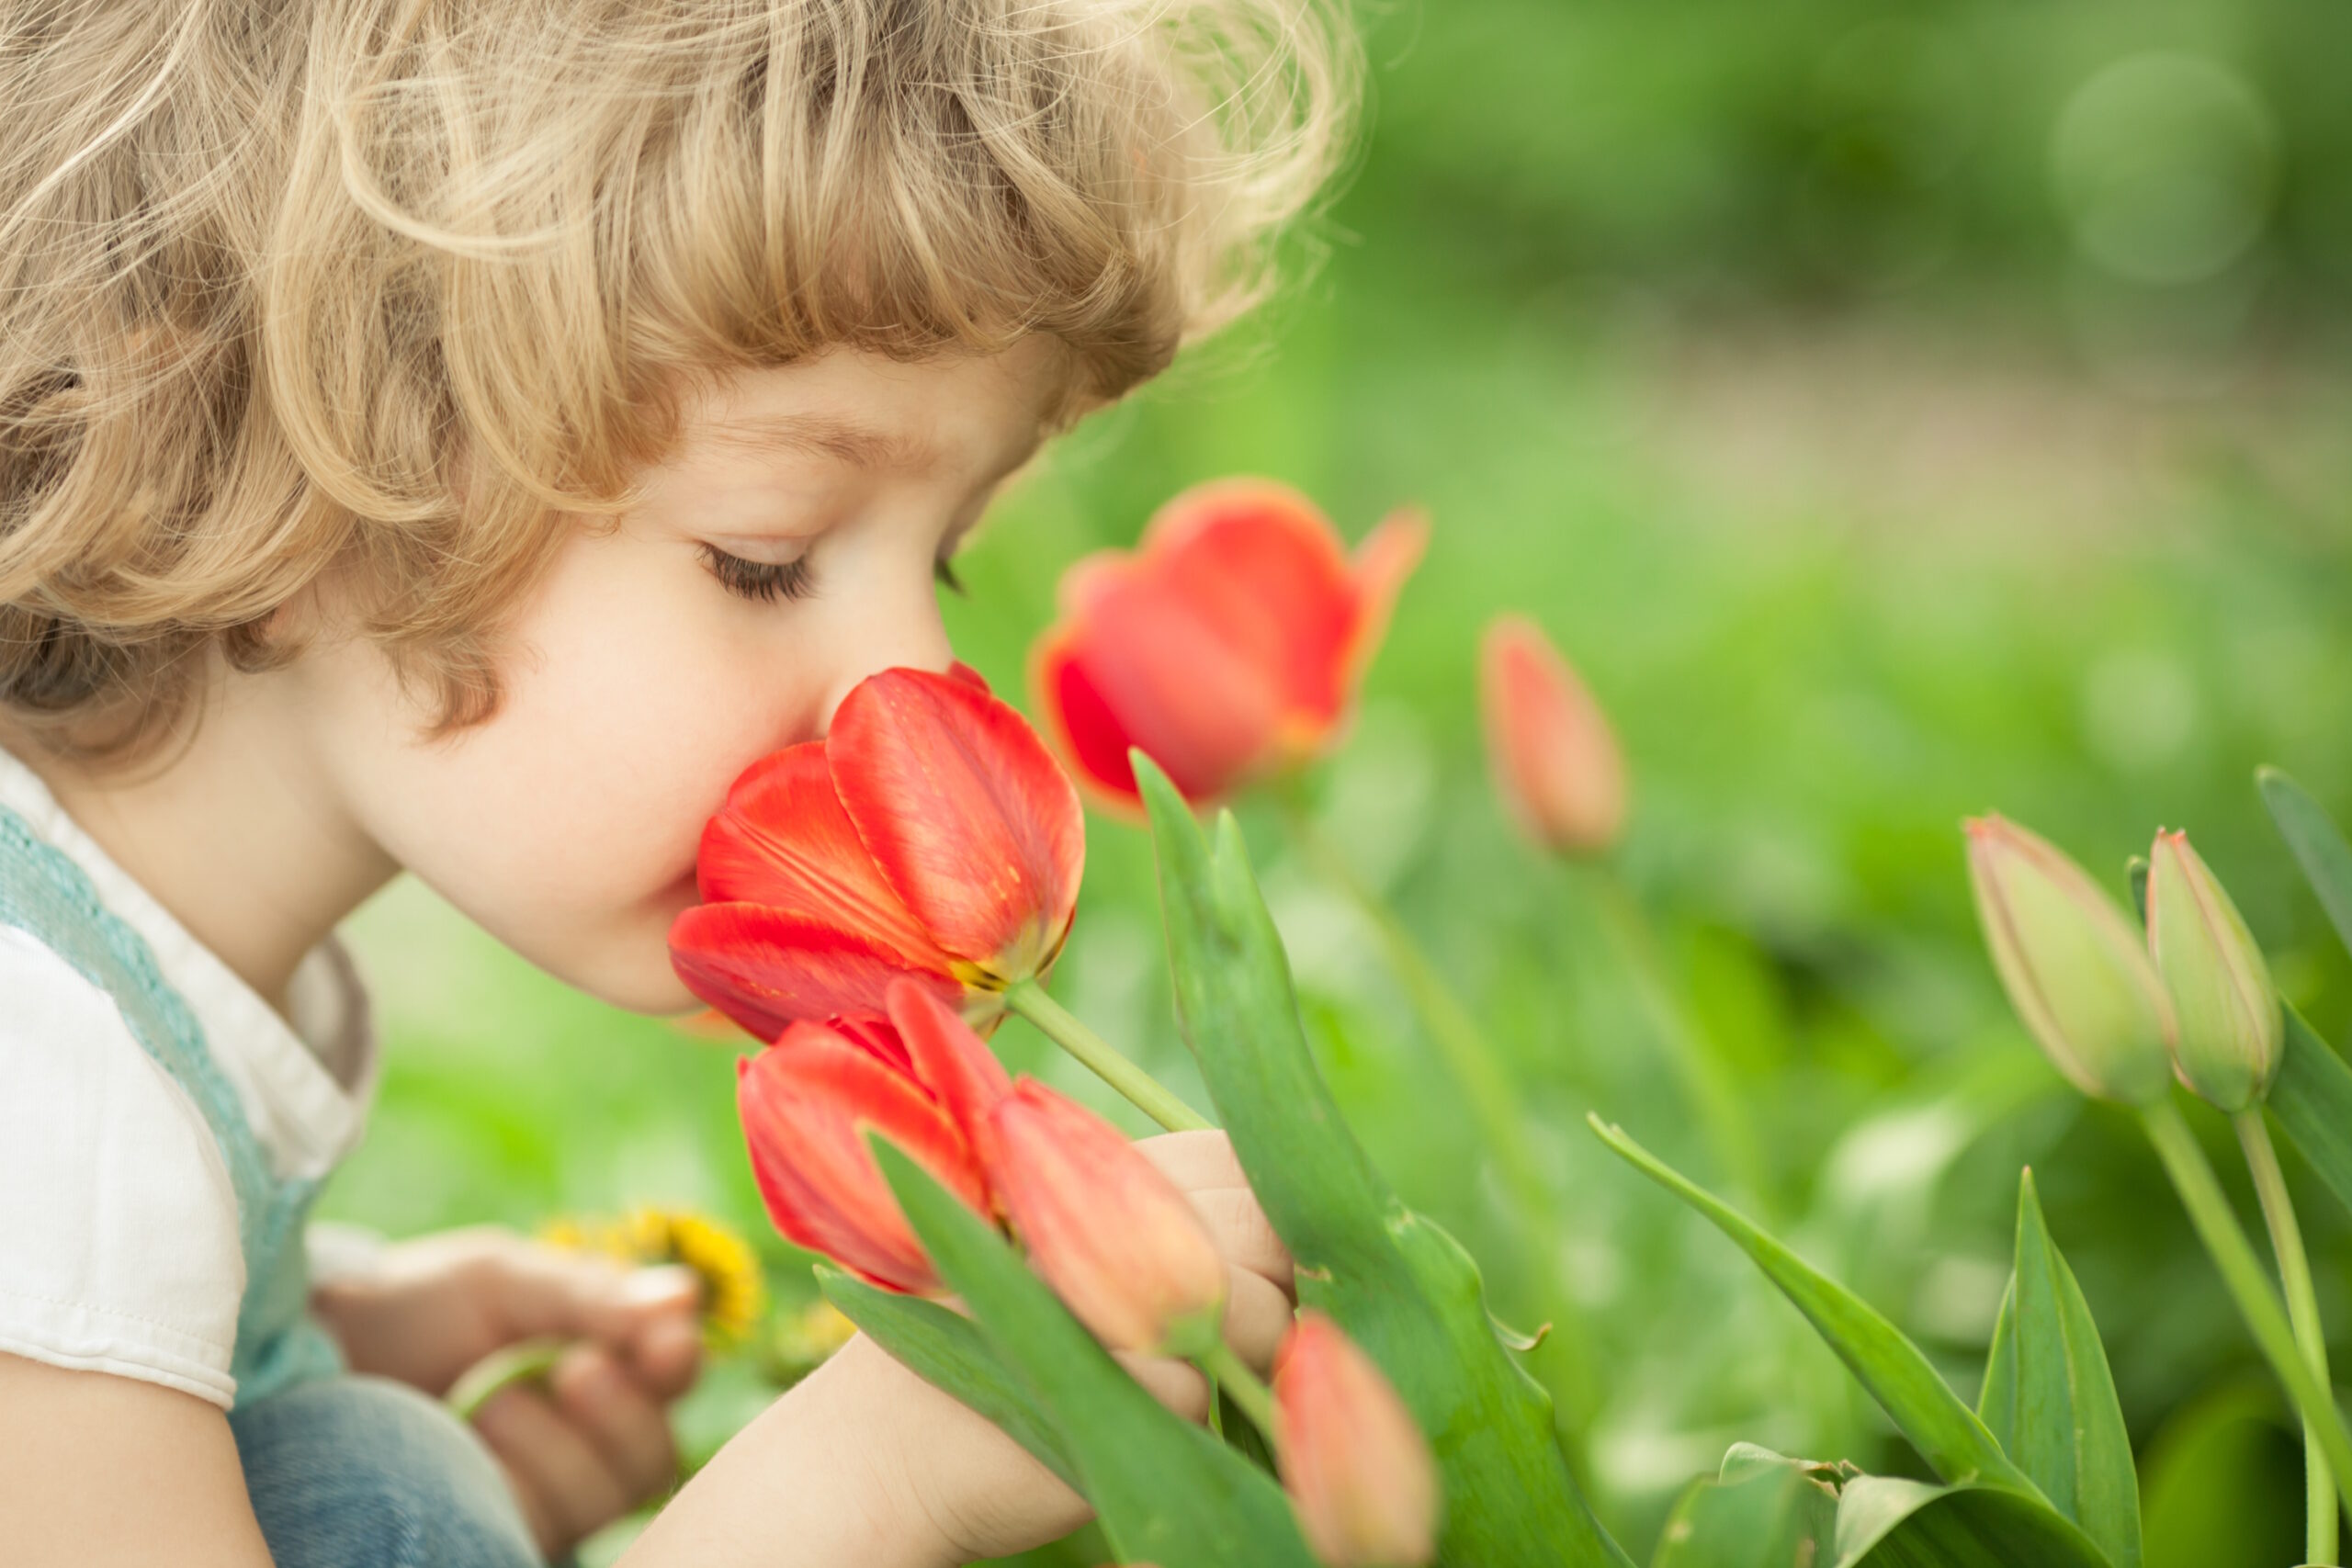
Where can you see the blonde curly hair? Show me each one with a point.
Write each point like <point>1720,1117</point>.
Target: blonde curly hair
<point>388,285</point>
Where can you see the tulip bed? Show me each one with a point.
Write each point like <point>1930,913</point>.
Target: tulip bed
<point>1421,1042</point>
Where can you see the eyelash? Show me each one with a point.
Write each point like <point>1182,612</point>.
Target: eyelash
<point>771,580</point>
<point>764,580</point>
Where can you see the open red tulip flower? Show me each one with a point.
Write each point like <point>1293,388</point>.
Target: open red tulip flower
<point>930,835</point>
<point>1227,647</point>
<point>922,1078</point>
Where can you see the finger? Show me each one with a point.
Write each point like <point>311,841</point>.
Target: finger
<point>620,1420</point>
<point>1202,1158</point>
<point>546,1289</point>
<point>665,1356</point>
<point>1256,1318</point>
<point>1242,1232</point>
<point>566,1489</point>
<point>1177,1384</point>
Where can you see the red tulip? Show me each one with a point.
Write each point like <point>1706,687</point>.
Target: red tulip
<point>1554,761</point>
<point>1227,647</point>
<point>929,835</point>
<point>1359,1471</point>
<point>807,1101</point>
<point>1111,1234</point>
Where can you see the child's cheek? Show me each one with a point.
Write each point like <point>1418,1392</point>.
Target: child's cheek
<point>567,825</point>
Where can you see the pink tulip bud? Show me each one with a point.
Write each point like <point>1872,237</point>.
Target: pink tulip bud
<point>1113,1236</point>
<point>1553,759</point>
<point>1359,1471</point>
<point>2074,968</point>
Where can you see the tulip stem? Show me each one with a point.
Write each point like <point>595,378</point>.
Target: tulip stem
<point>1697,1062</point>
<point>1228,1372</point>
<point>1479,1069</point>
<point>2225,1241</point>
<point>1061,1026</point>
<point>2302,1311</point>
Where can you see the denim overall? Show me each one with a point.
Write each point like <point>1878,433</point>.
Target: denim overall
<point>344,1472</point>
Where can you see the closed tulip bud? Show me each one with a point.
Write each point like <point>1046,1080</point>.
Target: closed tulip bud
<point>1359,1471</point>
<point>1555,761</point>
<point>2231,1026</point>
<point>1113,1236</point>
<point>2073,967</point>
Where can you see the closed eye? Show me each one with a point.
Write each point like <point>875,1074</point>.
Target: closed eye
<point>763,581</point>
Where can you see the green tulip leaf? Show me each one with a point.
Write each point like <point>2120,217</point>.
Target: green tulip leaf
<point>1888,1523</point>
<point>1762,1511</point>
<point>1400,1286</point>
<point>2316,842</point>
<point>2049,1399</point>
<point>947,1352</point>
<point>2311,1102</point>
<point>1896,1375</point>
<point>1166,1492</point>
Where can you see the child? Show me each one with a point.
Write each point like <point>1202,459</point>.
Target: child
<point>458,436</point>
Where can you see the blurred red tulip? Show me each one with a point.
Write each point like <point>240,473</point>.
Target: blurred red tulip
<point>930,834</point>
<point>1112,1234</point>
<point>1359,1471</point>
<point>1549,748</point>
<point>1228,645</point>
<point>807,1101</point>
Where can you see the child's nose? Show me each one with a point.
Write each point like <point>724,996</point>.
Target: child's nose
<point>919,643</point>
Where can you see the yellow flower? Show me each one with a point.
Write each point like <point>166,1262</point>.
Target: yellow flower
<point>734,1293</point>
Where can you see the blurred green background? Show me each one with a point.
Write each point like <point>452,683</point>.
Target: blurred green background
<point>1898,412</point>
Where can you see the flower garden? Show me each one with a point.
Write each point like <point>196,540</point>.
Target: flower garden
<point>1769,1001</point>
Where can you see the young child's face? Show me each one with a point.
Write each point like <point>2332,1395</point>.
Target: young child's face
<point>639,683</point>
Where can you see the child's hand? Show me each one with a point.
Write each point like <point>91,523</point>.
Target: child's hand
<point>592,1444</point>
<point>984,1493</point>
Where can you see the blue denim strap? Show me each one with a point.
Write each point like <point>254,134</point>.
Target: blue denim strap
<point>46,895</point>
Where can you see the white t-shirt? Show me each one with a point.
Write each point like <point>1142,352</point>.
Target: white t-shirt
<point>118,1248</point>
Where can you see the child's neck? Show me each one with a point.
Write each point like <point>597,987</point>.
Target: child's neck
<point>240,836</point>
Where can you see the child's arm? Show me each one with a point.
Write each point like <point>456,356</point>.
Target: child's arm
<point>98,1470</point>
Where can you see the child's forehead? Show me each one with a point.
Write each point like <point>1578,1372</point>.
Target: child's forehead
<point>862,410</point>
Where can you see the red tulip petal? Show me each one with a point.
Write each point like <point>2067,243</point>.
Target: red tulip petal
<point>966,673</point>
<point>1079,720</point>
<point>1265,573</point>
<point>806,1105</point>
<point>876,1038</point>
<point>764,968</point>
<point>966,813</point>
<point>1384,560</point>
<point>1149,669</point>
<point>949,1059</point>
<point>781,840</point>
<point>1087,580</point>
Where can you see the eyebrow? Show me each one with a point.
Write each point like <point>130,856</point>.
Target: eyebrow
<point>829,435</point>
